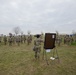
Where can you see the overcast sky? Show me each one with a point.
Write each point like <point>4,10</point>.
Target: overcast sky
<point>38,15</point>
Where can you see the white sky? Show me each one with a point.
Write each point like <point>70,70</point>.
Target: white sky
<point>38,15</point>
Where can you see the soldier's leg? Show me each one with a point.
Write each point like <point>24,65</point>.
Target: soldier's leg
<point>9,43</point>
<point>21,41</point>
<point>5,42</point>
<point>18,43</point>
<point>38,54</point>
<point>24,40</point>
<point>59,43</point>
<point>35,54</point>
<point>27,42</point>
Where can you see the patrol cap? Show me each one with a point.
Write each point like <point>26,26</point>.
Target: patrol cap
<point>37,35</point>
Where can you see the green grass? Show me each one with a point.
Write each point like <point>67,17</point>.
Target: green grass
<point>19,60</point>
<point>73,43</point>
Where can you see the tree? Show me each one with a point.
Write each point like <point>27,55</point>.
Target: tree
<point>17,30</point>
<point>57,33</point>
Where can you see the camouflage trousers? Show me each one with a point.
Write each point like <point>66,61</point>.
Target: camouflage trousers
<point>37,52</point>
<point>10,43</point>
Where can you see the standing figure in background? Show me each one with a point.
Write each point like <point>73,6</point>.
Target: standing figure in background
<point>0,39</point>
<point>18,40</point>
<point>28,40</point>
<point>37,46</point>
<point>10,40</point>
<point>13,39</point>
<point>58,41</point>
<point>24,38</point>
<point>5,39</point>
<point>21,39</point>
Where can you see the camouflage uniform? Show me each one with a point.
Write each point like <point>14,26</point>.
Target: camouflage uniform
<point>13,39</point>
<point>28,39</point>
<point>18,40</point>
<point>37,47</point>
<point>10,40</point>
<point>21,39</point>
<point>67,40</point>
<point>0,39</point>
<point>58,41</point>
<point>64,40</point>
<point>24,38</point>
<point>5,39</point>
<point>71,40</point>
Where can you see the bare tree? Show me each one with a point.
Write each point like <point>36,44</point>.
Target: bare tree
<point>17,30</point>
<point>57,33</point>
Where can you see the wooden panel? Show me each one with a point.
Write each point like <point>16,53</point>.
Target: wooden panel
<point>49,40</point>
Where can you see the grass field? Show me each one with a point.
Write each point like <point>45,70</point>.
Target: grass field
<point>19,60</point>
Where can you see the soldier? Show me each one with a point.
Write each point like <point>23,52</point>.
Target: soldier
<point>58,41</point>
<point>18,40</point>
<point>37,46</point>
<point>28,39</point>
<point>0,39</point>
<point>68,40</point>
<point>5,40</point>
<point>24,38</point>
<point>13,39</point>
<point>71,39</point>
<point>21,39</point>
<point>64,40</point>
<point>10,40</point>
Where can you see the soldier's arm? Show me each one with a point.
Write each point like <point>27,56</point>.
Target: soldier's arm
<point>42,40</point>
<point>34,42</point>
